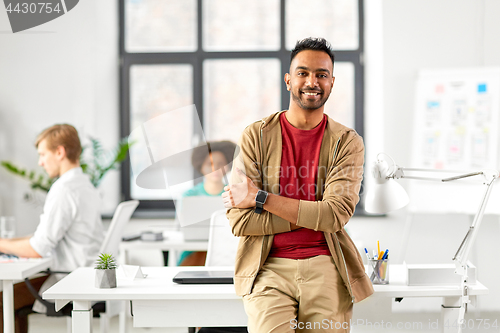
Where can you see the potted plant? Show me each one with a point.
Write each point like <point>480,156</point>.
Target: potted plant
<point>105,274</point>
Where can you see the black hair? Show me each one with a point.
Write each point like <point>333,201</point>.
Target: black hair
<point>201,152</point>
<point>315,44</point>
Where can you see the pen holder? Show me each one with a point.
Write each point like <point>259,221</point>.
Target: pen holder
<point>378,271</point>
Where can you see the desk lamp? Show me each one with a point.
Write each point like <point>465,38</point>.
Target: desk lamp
<point>387,195</point>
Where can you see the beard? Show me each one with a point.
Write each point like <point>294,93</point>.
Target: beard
<point>306,104</point>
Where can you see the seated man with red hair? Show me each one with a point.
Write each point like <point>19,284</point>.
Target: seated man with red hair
<point>70,229</point>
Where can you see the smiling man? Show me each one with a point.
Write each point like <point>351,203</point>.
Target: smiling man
<point>295,185</point>
<point>70,229</point>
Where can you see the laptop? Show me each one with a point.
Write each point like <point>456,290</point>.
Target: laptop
<point>204,277</point>
<point>194,216</point>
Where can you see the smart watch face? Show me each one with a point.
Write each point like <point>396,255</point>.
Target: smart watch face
<point>261,197</point>
<point>260,200</point>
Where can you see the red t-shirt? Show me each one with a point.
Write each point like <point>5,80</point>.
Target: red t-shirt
<point>299,168</point>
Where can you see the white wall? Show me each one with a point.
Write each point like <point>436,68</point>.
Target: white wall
<point>408,36</point>
<point>65,71</point>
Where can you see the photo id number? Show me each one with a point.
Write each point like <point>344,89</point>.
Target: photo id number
<point>39,7</point>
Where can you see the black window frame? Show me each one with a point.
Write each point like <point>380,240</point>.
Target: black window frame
<point>196,59</point>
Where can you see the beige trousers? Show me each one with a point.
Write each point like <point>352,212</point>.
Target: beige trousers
<point>305,295</point>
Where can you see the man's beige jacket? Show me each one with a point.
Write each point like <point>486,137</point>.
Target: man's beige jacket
<point>338,179</point>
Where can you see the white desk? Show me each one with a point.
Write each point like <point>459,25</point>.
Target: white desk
<point>213,304</point>
<point>173,241</point>
<point>15,271</point>
<point>379,306</point>
<point>158,302</point>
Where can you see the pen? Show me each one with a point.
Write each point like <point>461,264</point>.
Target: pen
<point>386,253</point>
<point>374,255</point>
<point>380,255</point>
<point>378,246</point>
<point>367,255</point>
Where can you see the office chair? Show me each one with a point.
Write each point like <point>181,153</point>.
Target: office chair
<point>222,244</point>
<point>102,310</point>
<point>110,245</point>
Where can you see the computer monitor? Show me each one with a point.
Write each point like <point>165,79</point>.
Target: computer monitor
<point>194,215</point>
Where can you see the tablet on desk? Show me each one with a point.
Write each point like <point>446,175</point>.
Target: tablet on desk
<point>204,277</point>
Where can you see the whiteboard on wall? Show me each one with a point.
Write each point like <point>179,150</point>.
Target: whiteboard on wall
<point>456,124</point>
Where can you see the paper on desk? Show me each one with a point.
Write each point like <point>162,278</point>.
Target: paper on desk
<point>130,272</point>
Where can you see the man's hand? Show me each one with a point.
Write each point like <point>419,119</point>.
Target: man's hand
<point>243,195</point>
<point>240,195</point>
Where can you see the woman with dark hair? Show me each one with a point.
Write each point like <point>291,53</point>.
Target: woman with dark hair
<point>213,164</point>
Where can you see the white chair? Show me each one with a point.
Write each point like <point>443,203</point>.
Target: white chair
<point>110,245</point>
<point>122,215</point>
<point>222,244</point>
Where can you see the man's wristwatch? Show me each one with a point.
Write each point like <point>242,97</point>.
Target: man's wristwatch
<point>260,200</point>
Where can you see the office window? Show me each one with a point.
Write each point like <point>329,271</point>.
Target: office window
<point>230,25</point>
<point>335,20</point>
<point>160,25</point>
<point>341,104</point>
<point>232,103</point>
<point>228,58</point>
<point>155,89</point>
